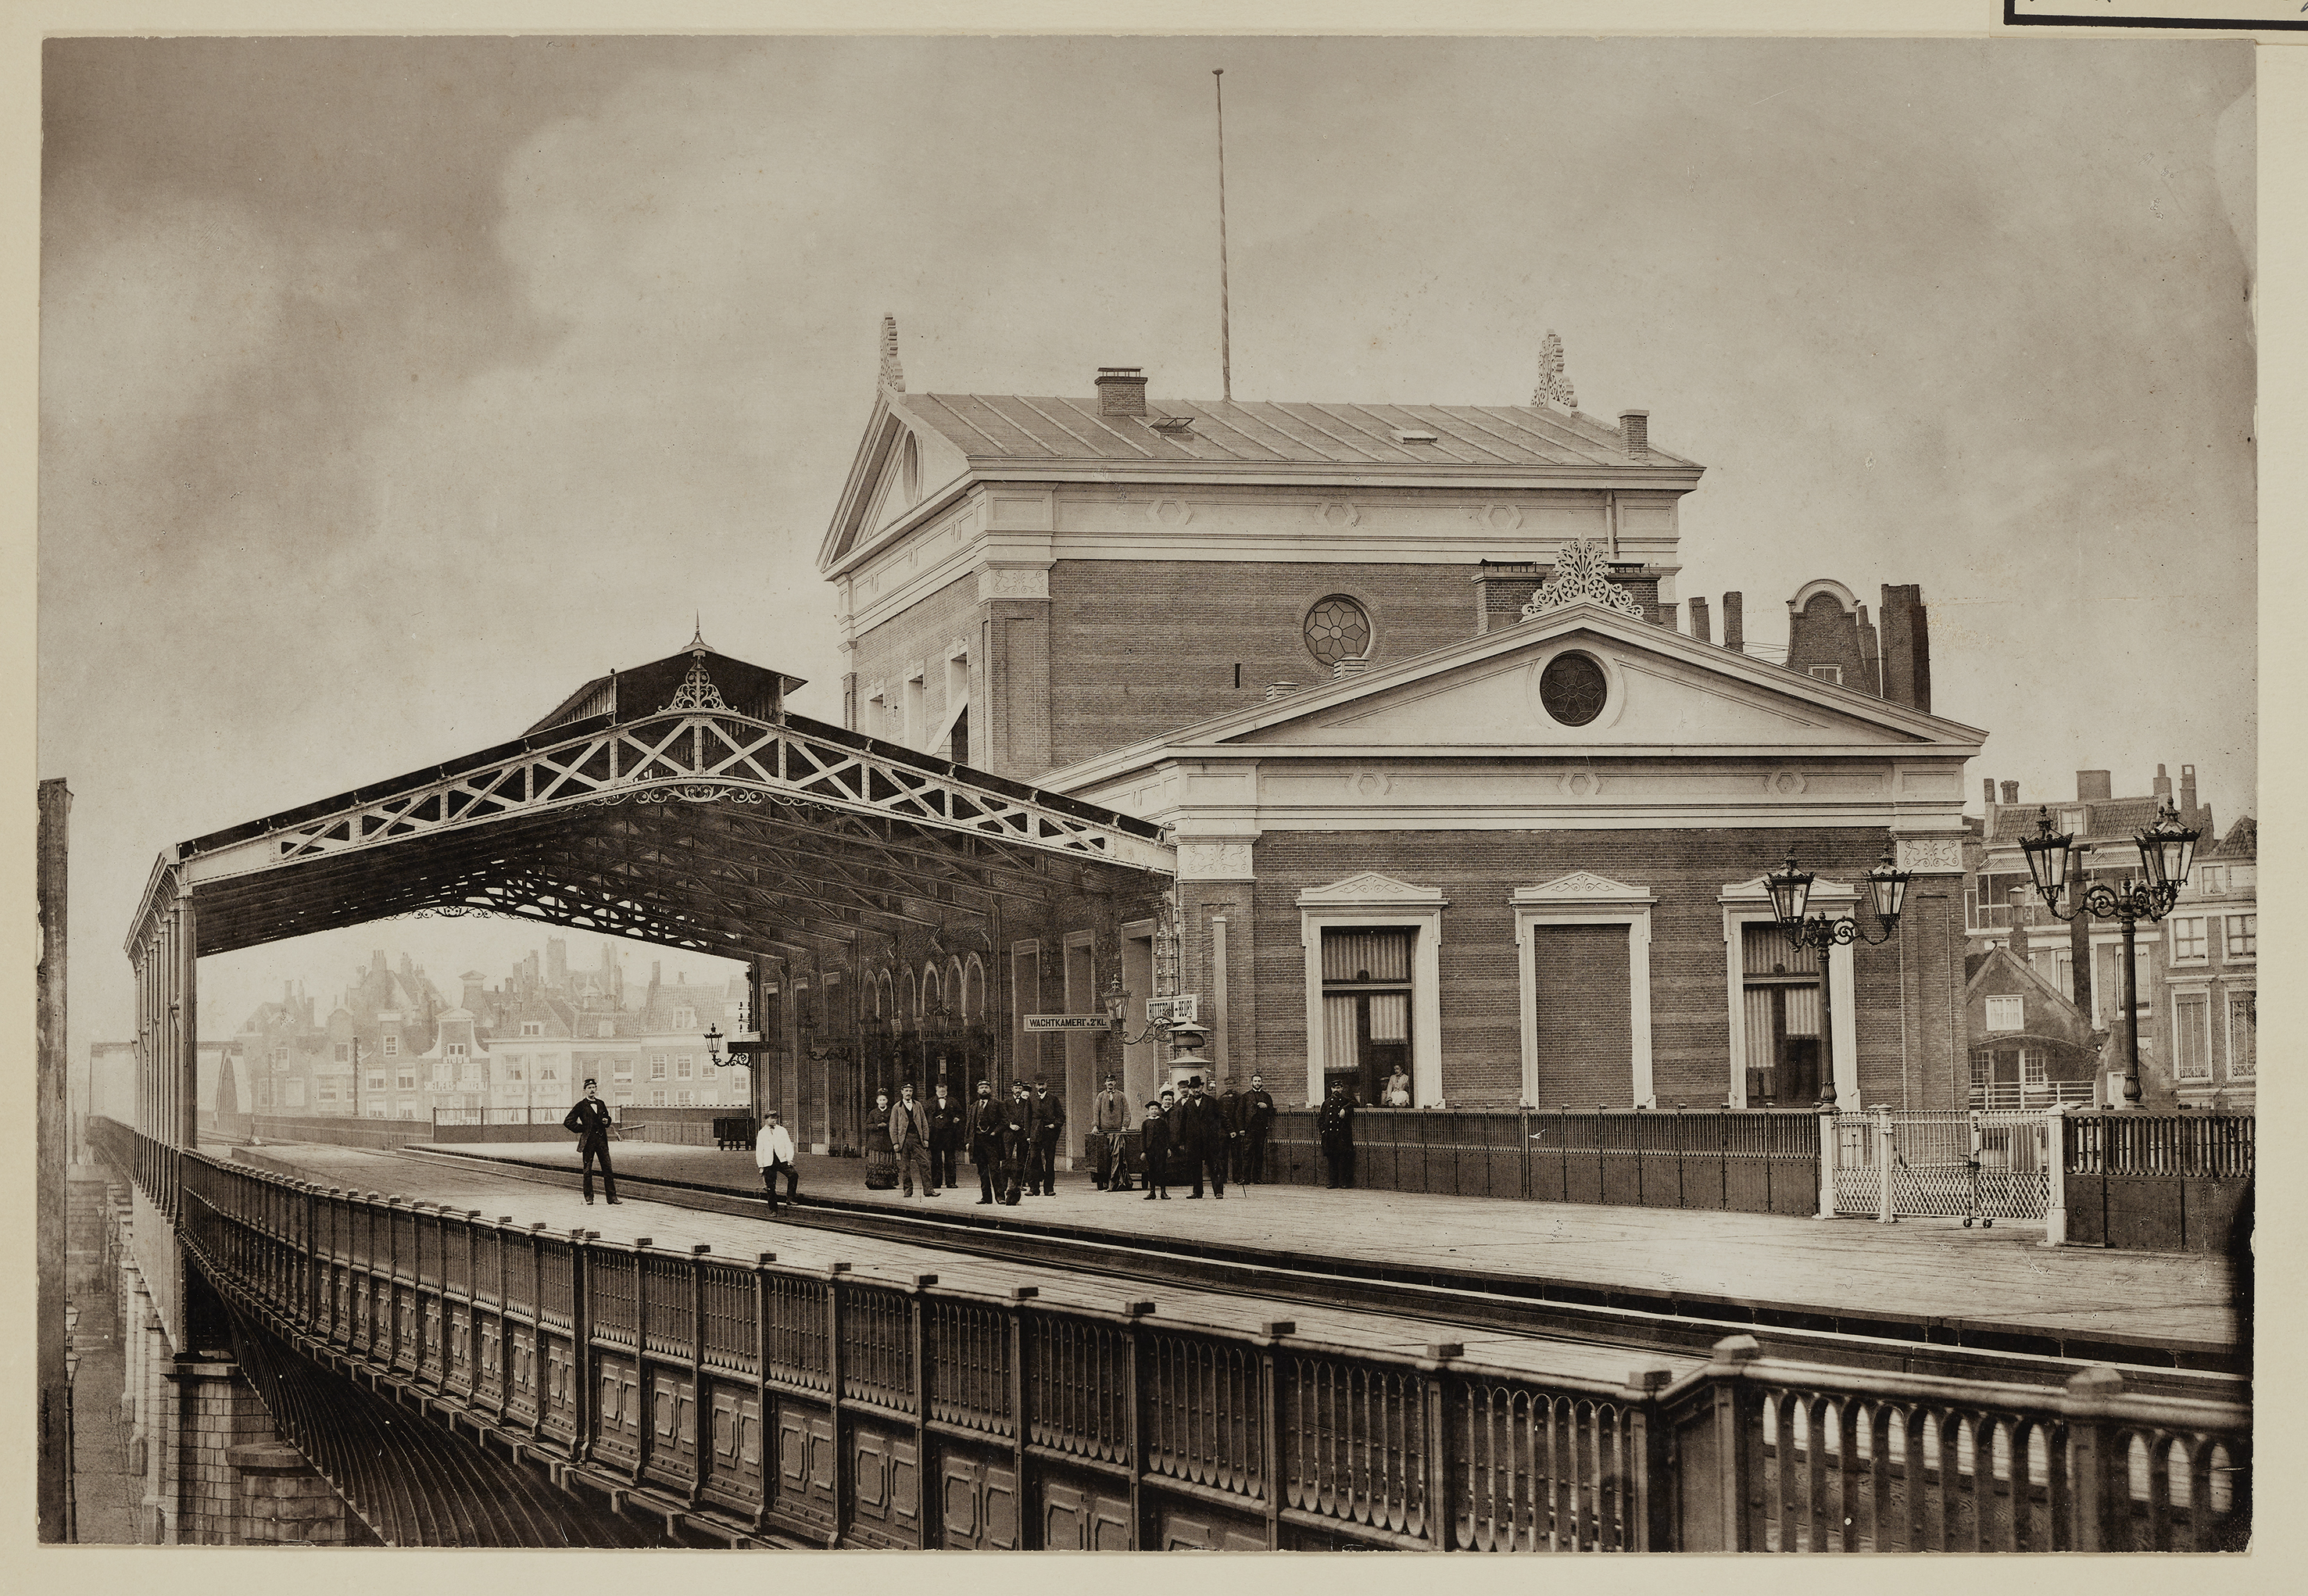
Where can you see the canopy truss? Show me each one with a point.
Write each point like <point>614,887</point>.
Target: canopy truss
<point>707,830</point>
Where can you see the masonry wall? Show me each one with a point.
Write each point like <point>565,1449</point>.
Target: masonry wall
<point>922,633</point>
<point>1147,646</point>
<point>1908,998</point>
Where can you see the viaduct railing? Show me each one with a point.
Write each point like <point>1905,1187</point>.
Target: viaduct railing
<point>764,1400</point>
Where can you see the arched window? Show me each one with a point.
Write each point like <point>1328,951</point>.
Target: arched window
<point>973,989</point>
<point>931,992</point>
<point>910,1003</point>
<point>1338,629</point>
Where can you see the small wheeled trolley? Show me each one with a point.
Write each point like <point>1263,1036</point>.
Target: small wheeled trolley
<point>1972,1209</point>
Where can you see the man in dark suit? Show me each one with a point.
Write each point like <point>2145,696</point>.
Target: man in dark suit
<point>1257,1110</point>
<point>986,1118</point>
<point>1109,1118</point>
<point>949,1127</point>
<point>1017,1140</point>
<point>1049,1130</point>
<point>1203,1130</point>
<point>1337,1129</point>
<point>590,1119</point>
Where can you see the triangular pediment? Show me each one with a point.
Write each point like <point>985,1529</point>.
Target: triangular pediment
<point>1370,887</point>
<point>1658,688</point>
<point>1583,886</point>
<point>900,466</point>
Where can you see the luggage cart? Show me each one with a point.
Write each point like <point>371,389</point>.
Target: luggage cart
<point>1972,1210</point>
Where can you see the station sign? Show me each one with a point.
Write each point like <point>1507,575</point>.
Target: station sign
<point>1069,1023</point>
<point>1182,1010</point>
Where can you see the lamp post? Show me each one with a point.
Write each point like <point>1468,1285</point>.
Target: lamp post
<point>2166,850</point>
<point>1790,889</point>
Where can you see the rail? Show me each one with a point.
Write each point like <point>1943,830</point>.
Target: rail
<point>765,1397</point>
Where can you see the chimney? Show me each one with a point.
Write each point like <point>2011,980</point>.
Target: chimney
<point>1987,785</point>
<point>556,962</point>
<point>376,961</point>
<point>1698,626</point>
<point>2187,790</point>
<point>2094,787</point>
<point>2161,786</point>
<point>1871,657</point>
<point>2012,792</point>
<point>472,998</point>
<point>1906,648</point>
<point>1637,426</point>
<point>1501,588</point>
<point>1121,391</point>
<point>1735,624</point>
<point>2021,912</point>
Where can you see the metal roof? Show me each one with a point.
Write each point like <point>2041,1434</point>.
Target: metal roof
<point>1015,428</point>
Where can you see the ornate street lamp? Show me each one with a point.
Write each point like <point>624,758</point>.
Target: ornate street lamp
<point>713,1043</point>
<point>1790,889</point>
<point>2166,852</point>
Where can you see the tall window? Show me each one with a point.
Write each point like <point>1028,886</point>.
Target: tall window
<point>1366,1009</point>
<point>681,1066</point>
<point>2188,937</point>
<point>2244,1038</point>
<point>406,1079</point>
<point>2244,936</point>
<point>344,1052</point>
<point>1781,982</point>
<point>2191,1053</point>
<point>657,1067</point>
<point>377,1082</point>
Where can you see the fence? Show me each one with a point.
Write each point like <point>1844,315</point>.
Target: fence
<point>813,1403</point>
<point>1991,1163</point>
<point>2160,1182</point>
<point>1746,1161</point>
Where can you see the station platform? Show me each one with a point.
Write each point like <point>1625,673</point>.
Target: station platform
<point>1977,1285</point>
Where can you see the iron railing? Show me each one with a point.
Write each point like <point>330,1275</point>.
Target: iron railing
<point>706,1387</point>
<point>2189,1146</point>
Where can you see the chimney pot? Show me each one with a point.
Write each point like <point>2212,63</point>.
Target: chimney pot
<point>2012,792</point>
<point>1121,391</point>
<point>1637,426</point>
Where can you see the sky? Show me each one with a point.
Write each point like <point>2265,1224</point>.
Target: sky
<point>391,388</point>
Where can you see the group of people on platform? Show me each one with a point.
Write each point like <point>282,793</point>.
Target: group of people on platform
<point>1186,1134</point>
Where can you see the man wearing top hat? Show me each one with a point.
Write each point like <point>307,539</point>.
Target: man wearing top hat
<point>1049,1129</point>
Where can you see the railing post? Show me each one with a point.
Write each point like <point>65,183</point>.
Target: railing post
<point>1828,1154</point>
<point>2102,1464</point>
<point>765,1435</point>
<point>835,1273</point>
<point>1029,1527</point>
<point>1648,1510</point>
<point>585,1402</point>
<point>1441,1506</point>
<point>2056,1176</point>
<point>917,1349</point>
<point>1738,1445</point>
<point>1134,1412</point>
<point>701,1417</point>
<point>1886,1211</point>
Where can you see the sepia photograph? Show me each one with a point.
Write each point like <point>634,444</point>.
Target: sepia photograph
<point>1605,689</point>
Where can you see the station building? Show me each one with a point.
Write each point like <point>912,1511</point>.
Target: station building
<point>1455,786</point>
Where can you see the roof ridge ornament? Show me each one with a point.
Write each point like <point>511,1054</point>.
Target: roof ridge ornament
<point>894,375</point>
<point>1554,382</point>
<point>697,691</point>
<point>1582,573</point>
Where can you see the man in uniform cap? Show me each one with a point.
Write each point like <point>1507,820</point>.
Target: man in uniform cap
<point>590,1119</point>
<point>1110,1118</point>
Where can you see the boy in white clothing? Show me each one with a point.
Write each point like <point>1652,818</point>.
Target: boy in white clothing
<point>773,1151</point>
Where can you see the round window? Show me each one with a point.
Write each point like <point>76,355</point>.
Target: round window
<point>1338,629</point>
<point>1572,687</point>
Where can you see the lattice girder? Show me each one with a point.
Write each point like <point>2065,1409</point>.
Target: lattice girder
<point>699,757</point>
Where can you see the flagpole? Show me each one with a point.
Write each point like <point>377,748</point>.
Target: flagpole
<point>1226,329</point>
